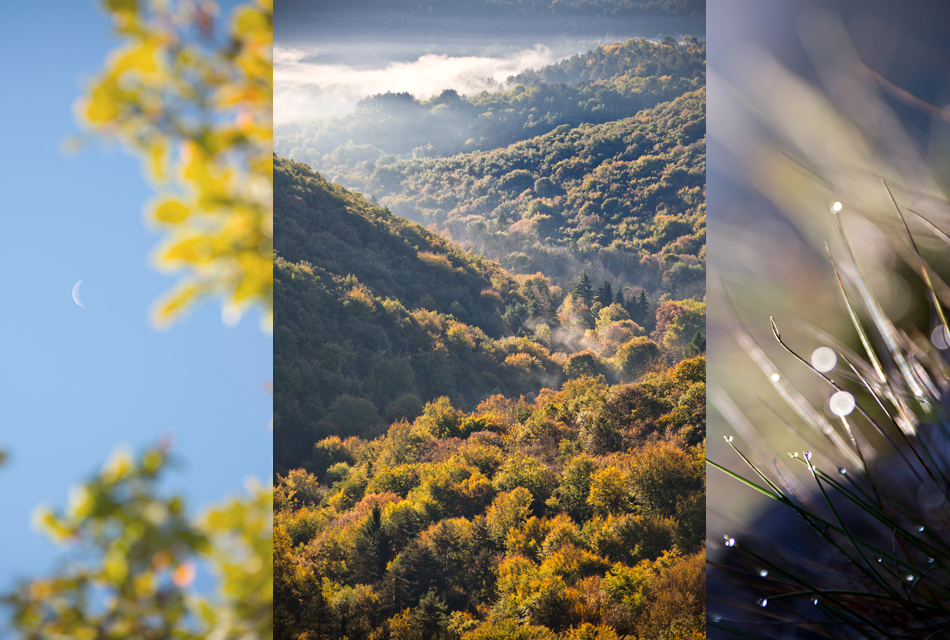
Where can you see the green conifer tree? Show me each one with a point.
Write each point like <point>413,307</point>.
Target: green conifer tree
<point>605,294</point>
<point>697,345</point>
<point>583,290</point>
<point>642,308</point>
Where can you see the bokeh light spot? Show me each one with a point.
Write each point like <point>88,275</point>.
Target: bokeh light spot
<point>824,359</point>
<point>841,403</point>
<point>939,337</point>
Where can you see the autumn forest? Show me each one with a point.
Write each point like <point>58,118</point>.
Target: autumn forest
<point>489,367</point>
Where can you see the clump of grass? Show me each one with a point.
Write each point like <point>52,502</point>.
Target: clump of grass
<point>865,551</point>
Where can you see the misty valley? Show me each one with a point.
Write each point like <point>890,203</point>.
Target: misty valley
<point>489,363</point>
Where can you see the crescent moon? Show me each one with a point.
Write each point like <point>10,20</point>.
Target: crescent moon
<point>76,294</point>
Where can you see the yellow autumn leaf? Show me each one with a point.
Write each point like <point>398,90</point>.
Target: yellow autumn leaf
<point>103,104</point>
<point>171,211</point>
<point>174,303</point>
<point>116,567</point>
<point>255,24</point>
<point>124,7</point>
<point>142,58</point>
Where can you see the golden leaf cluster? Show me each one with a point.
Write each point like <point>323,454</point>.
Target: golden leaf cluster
<point>196,106</point>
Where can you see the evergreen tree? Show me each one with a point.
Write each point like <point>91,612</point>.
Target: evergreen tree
<point>641,309</point>
<point>619,298</point>
<point>605,294</point>
<point>697,345</point>
<point>370,550</point>
<point>583,290</point>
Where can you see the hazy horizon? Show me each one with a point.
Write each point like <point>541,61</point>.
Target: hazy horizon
<point>324,63</point>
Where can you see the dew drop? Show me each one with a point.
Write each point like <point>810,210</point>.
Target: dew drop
<point>911,578</point>
<point>814,601</point>
<point>842,471</point>
<point>836,208</point>
<point>824,359</point>
<point>730,542</point>
<point>939,337</point>
<point>920,528</point>
<point>930,560</point>
<point>930,496</point>
<point>717,618</point>
<point>776,377</point>
<point>763,573</point>
<point>880,559</point>
<point>763,602</point>
<point>808,456</point>
<point>841,403</point>
<point>728,438</point>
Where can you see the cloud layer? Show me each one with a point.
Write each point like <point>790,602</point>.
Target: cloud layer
<point>308,88</point>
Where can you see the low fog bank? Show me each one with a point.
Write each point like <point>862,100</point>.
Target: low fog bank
<point>323,67</point>
<point>307,87</point>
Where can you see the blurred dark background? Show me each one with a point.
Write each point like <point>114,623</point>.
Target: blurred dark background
<point>811,103</point>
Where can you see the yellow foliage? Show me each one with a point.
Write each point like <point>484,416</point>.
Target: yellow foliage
<point>523,361</point>
<point>362,297</point>
<point>136,550</point>
<point>198,112</point>
<point>436,260</point>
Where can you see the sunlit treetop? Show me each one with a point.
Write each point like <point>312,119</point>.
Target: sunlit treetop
<point>194,101</point>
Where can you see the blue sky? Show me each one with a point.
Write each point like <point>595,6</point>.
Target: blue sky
<point>76,382</point>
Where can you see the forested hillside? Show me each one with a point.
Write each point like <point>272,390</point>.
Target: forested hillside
<point>489,369</point>
<point>378,316</point>
<point>608,83</point>
<point>624,199</point>
<point>578,516</point>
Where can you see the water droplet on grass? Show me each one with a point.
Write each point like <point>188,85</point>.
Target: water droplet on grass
<point>728,438</point>
<point>911,578</point>
<point>763,602</point>
<point>930,496</point>
<point>763,573</point>
<point>776,377</point>
<point>842,471</point>
<point>841,403</point>
<point>717,618</point>
<point>939,337</point>
<point>836,208</point>
<point>920,528</point>
<point>730,542</point>
<point>814,601</point>
<point>808,456</point>
<point>824,359</point>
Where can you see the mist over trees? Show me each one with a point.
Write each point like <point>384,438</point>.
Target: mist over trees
<point>379,316</point>
<point>625,198</point>
<point>605,84</point>
<point>489,358</point>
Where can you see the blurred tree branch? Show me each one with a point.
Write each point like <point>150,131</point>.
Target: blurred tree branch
<point>197,108</point>
<point>139,554</point>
